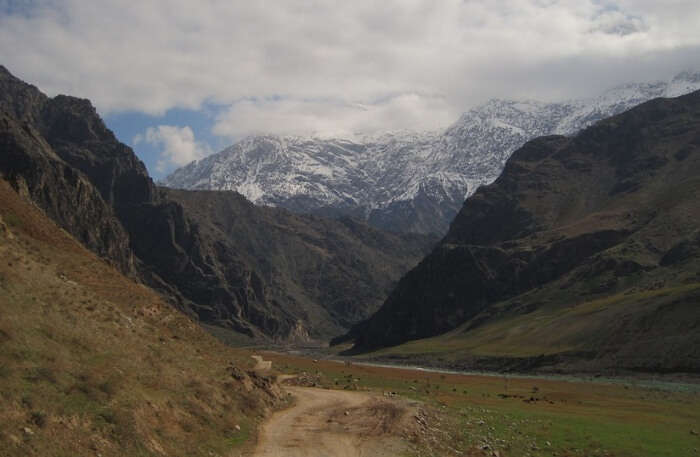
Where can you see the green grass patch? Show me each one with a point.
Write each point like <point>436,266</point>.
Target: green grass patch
<point>550,329</point>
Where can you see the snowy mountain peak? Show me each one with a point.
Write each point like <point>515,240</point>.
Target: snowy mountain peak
<point>405,181</point>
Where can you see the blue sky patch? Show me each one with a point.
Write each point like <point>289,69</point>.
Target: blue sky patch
<point>126,126</point>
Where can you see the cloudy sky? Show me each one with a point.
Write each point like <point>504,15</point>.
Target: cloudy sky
<point>180,79</point>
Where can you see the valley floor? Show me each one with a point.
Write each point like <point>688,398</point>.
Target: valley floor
<point>357,409</point>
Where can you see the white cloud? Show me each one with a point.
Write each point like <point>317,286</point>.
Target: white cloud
<point>336,118</point>
<point>321,58</point>
<point>177,145</point>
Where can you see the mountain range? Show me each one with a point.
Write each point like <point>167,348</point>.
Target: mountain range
<point>583,255</point>
<point>262,272</point>
<point>404,181</point>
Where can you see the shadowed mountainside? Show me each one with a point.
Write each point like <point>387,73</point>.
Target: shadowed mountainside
<point>330,273</point>
<point>584,249</point>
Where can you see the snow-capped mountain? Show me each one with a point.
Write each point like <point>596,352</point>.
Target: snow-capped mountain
<point>404,181</point>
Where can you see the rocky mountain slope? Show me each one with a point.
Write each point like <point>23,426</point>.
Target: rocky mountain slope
<point>92,363</point>
<point>58,152</point>
<point>585,248</point>
<point>404,182</point>
<point>327,274</point>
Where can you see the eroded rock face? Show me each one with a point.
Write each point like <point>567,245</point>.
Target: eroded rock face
<point>618,201</point>
<point>320,277</point>
<point>65,194</point>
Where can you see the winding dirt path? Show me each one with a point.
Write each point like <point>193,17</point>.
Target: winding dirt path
<point>335,423</point>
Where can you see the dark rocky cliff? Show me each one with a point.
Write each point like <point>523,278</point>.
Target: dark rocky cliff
<point>59,153</point>
<point>611,211</point>
<point>65,194</point>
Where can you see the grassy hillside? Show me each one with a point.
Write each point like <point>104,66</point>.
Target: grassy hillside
<point>92,363</point>
<point>651,329</point>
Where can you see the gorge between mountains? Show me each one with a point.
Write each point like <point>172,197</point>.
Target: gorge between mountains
<point>605,217</point>
<point>349,229</point>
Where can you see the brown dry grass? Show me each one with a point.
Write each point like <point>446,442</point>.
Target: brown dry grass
<point>92,363</point>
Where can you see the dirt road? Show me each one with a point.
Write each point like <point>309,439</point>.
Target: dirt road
<point>336,423</point>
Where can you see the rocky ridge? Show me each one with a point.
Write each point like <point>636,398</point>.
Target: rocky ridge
<point>584,249</point>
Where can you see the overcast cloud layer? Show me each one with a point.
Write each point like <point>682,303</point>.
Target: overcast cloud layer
<point>339,67</point>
